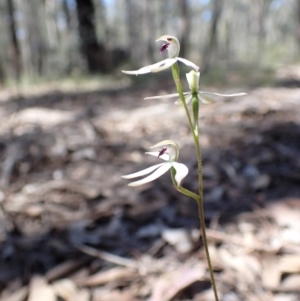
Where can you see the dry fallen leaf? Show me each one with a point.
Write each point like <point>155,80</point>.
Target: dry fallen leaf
<point>65,288</point>
<point>114,274</point>
<point>170,284</point>
<point>18,295</point>
<point>109,295</point>
<point>39,290</point>
<point>181,239</point>
<point>82,295</point>
<point>291,283</point>
<point>271,274</point>
<point>286,212</point>
<point>63,269</point>
<point>289,263</point>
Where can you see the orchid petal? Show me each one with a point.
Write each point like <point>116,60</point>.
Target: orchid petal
<point>188,63</point>
<point>181,172</point>
<point>178,102</point>
<point>142,172</point>
<point>224,95</point>
<point>165,157</point>
<point>188,97</point>
<point>167,64</point>
<point>206,99</point>
<point>164,64</point>
<point>156,174</point>
<point>163,96</point>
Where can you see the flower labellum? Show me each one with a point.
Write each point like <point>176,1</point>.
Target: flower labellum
<point>164,47</point>
<point>172,45</point>
<point>163,151</point>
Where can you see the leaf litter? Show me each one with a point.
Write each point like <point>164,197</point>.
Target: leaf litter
<point>71,228</point>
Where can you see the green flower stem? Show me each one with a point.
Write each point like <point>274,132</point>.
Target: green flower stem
<point>181,189</point>
<point>175,72</point>
<point>195,105</point>
<point>199,198</point>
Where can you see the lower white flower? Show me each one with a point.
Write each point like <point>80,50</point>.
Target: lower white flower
<point>169,153</point>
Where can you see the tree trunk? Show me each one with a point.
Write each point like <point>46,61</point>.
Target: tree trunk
<point>264,6</point>
<point>184,28</point>
<point>94,53</point>
<point>211,46</point>
<point>150,21</point>
<point>137,40</point>
<point>67,14</point>
<point>34,46</point>
<point>298,22</point>
<point>15,47</point>
<point>2,73</point>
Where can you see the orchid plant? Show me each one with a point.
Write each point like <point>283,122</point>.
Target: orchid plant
<point>169,150</point>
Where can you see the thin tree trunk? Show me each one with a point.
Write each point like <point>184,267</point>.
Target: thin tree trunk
<point>211,47</point>
<point>67,14</point>
<point>35,45</point>
<point>94,53</point>
<point>184,28</point>
<point>264,6</point>
<point>2,73</point>
<point>102,27</point>
<point>150,19</point>
<point>298,23</point>
<point>15,47</point>
<point>137,40</point>
<point>49,13</point>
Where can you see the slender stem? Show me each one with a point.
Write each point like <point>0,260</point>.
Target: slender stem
<point>202,218</point>
<point>182,189</point>
<point>175,72</point>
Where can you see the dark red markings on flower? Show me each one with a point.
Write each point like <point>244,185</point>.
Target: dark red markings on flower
<point>161,152</point>
<point>169,39</point>
<point>164,47</point>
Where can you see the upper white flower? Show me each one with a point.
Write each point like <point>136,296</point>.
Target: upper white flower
<point>169,153</point>
<point>172,45</point>
<point>193,81</point>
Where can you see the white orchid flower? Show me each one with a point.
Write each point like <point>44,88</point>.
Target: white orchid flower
<point>193,81</point>
<point>173,46</point>
<point>169,153</point>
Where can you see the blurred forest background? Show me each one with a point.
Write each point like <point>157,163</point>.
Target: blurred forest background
<point>50,39</point>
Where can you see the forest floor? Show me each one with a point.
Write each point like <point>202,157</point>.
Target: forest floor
<point>71,228</point>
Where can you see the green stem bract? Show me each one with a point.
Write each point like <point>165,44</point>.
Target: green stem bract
<point>195,106</point>
<point>199,198</point>
<point>182,189</point>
